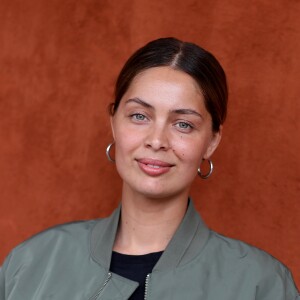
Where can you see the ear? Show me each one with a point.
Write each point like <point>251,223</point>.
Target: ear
<point>112,126</point>
<point>215,140</point>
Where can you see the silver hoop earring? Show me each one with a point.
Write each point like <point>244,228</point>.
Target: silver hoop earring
<point>211,167</point>
<point>108,152</point>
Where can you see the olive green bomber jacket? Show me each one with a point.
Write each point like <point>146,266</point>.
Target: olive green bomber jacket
<point>71,261</point>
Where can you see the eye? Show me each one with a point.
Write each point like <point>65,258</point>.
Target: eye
<point>138,117</point>
<point>184,126</point>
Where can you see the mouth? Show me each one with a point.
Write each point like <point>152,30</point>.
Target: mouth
<point>154,167</point>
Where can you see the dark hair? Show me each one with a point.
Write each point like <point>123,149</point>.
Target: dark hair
<point>187,57</point>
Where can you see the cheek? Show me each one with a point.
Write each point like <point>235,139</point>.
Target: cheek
<point>190,150</point>
<point>126,142</point>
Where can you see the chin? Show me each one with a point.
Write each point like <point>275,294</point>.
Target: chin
<point>160,193</point>
<point>155,188</point>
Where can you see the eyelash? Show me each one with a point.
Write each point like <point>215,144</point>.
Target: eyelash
<point>188,125</point>
<point>134,117</point>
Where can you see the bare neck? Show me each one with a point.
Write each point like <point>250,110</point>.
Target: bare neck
<point>147,225</point>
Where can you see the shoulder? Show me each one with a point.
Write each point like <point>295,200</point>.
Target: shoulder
<point>58,240</point>
<point>259,267</point>
<point>73,232</point>
<point>250,256</point>
<point>41,261</point>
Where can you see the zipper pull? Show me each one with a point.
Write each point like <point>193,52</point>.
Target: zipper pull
<point>102,287</point>
<point>147,286</point>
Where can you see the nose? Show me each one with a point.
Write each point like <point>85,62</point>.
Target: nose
<point>158,138</point>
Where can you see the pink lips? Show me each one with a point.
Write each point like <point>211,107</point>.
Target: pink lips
<point>154,167</point>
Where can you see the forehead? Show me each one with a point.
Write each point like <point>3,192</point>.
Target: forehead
<point>165,85</point>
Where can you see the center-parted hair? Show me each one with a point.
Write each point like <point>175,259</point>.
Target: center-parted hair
<point>200,64</point>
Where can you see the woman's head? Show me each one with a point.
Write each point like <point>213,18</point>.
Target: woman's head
<point>189,58</point>
<point>170,103</point>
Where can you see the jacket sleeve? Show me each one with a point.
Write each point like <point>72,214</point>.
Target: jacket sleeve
<point>280,286</point>
<point>2,284</point>
<point>2,278</point>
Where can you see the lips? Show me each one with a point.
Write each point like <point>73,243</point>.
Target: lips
<point>154,167</point>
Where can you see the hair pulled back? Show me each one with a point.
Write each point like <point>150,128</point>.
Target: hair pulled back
<point>201,65</point>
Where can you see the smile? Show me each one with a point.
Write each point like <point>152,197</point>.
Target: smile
<point>153,167</point>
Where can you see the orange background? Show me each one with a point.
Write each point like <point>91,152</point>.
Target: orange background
<point>58,63</point>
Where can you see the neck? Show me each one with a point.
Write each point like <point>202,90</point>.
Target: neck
<point>147,225</point>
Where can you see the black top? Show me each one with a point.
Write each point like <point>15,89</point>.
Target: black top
<point>134,267</point>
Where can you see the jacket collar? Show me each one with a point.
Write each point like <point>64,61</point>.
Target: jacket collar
<point>187,242</point>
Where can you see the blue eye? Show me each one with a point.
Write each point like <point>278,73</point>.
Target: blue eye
<point>138,117</point>
<point>184,125</point>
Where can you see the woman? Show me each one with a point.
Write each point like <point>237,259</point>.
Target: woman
<point>170,104</point>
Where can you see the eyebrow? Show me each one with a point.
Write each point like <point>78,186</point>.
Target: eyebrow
<point>181,111</point>
<point>187,111</point>
<point>139,101</point>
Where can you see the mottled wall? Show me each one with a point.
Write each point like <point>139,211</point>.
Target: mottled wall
<point>58,64</point>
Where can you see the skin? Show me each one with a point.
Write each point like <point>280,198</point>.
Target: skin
<point>162,131</point>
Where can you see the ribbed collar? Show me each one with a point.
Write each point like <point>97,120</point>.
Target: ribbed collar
<point>187,242</point>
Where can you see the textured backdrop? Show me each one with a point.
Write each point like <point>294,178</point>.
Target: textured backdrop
<point>58,63</point>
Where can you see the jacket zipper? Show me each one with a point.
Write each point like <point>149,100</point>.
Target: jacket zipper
<point>102,287</point>
<point>146,286</point>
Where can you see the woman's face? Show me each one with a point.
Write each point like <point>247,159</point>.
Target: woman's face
<point>162,132</point>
